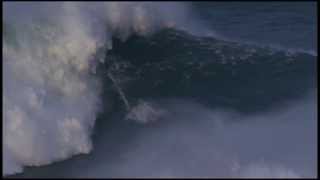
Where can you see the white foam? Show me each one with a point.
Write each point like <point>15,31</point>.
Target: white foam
<point>261,170</point>
<point>205,142</point>
<point>145,112</point>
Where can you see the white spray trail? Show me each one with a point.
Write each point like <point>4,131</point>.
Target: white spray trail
<point>119,90</point>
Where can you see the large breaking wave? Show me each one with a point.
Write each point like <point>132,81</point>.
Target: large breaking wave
<point>50,96</point>
<point>54,55</point>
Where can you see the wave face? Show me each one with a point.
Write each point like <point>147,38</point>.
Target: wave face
<point>214,72</point>
<point>94,61</point>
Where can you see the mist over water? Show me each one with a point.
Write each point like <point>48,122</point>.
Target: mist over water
<point>59,103</point>
<point>218,143</point>
<point>192,140</point>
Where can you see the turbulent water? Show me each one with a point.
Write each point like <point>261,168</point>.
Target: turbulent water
<point>119,89</point>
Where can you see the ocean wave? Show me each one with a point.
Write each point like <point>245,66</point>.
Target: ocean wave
<point>55,68</point>
<point>51,97</point>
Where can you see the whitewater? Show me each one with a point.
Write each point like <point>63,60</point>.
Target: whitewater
<point>50,97</point>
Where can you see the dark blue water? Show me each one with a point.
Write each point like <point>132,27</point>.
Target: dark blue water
<point>284,24</point>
